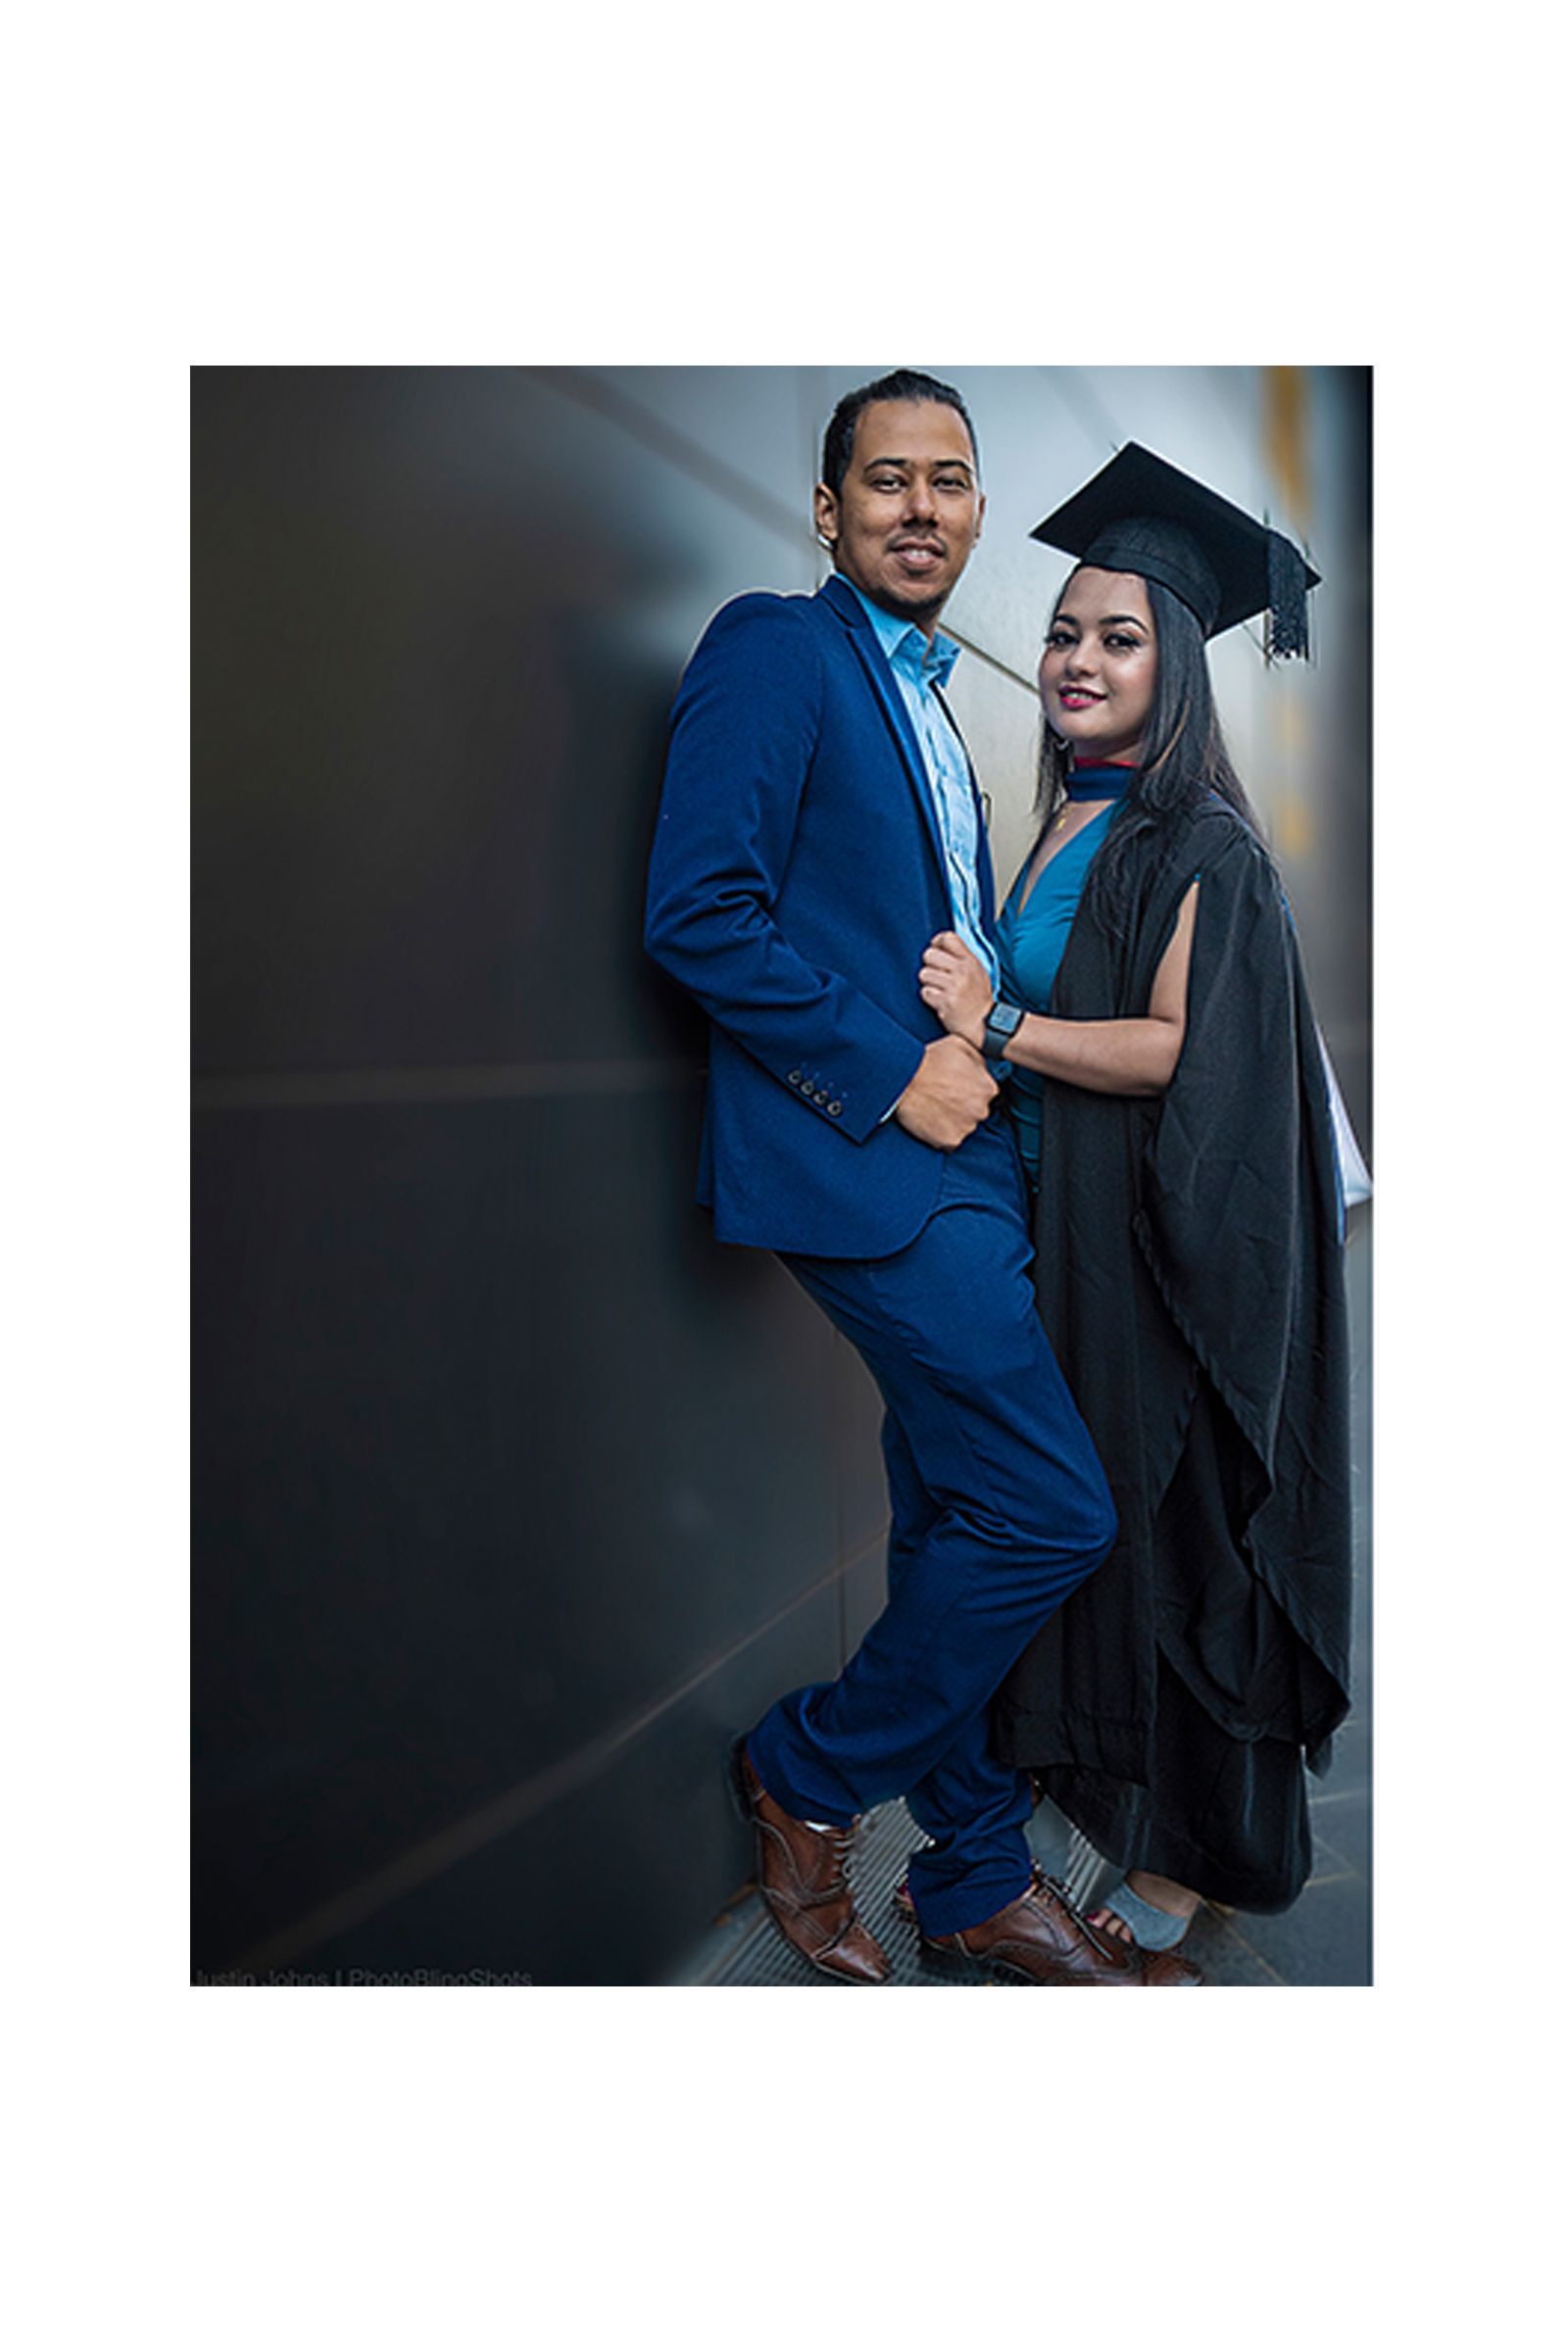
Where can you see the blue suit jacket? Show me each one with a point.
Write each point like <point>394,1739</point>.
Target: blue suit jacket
<point>796,879</point>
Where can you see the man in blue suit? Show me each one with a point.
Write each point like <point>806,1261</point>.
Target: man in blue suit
<point>819,825</point>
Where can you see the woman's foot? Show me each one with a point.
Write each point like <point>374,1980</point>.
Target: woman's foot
<point>1148,1894</point>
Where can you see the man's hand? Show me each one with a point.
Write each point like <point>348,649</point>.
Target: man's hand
<point>947,1096</point>
<point>954,984</point>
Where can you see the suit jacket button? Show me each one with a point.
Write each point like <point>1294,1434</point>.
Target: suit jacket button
<point>795,1077</point>
<point>833,1109</point>
<point>820,1095</point>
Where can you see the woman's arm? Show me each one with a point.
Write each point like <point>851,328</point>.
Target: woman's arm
<point>1108,1057</point>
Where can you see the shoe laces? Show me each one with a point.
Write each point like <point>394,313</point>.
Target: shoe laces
<point>1110,1948</point>
<point>841,1841</point>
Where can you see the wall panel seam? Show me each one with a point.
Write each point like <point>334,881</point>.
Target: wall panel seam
<point>509,1811</point>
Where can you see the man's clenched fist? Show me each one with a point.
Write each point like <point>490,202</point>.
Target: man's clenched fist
<point>947,1096</point>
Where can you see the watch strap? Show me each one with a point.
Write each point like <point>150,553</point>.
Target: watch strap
<point>1001,1025</point>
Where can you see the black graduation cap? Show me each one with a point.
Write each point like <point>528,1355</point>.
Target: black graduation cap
<point>1141,514</point>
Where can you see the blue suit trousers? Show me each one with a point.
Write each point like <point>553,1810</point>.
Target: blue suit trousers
<point>999,1510</point>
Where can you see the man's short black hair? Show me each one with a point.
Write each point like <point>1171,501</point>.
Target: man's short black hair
<point>905,383</point>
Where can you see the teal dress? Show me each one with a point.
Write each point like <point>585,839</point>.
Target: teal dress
<point>1032,934</point>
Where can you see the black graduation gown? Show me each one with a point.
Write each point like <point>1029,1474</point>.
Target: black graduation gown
<point>1189,1276</point>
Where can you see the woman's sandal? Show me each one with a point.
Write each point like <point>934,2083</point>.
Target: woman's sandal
<point>1148,1924</point>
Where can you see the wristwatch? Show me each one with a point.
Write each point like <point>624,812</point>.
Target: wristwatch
<point>1002,1024</point>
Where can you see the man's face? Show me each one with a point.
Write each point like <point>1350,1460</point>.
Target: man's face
<point>909,510</point>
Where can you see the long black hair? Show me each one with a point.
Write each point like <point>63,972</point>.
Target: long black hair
<point>1184,756</point>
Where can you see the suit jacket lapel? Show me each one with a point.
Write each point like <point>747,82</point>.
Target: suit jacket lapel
<point>890,701</point>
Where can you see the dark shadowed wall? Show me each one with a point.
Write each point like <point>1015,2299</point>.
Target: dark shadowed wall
<point>515,1495</point>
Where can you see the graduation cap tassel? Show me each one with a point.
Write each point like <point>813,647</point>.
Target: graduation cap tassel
<point>1287,599</point>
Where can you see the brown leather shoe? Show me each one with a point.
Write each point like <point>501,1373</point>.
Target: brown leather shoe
<point>1040,1940</point>
<point>801,1875</point>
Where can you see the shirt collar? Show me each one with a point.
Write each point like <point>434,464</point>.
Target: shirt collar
<point>906,644</point>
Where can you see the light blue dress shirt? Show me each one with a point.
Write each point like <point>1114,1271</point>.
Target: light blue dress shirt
<point>921,665</point>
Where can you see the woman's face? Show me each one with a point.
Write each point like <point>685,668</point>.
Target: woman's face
<point>1096,673</point>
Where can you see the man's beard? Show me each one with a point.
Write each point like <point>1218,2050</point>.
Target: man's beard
<point>913,603</point>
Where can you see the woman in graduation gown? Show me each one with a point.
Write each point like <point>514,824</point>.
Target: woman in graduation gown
<point>1172,1106</point>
